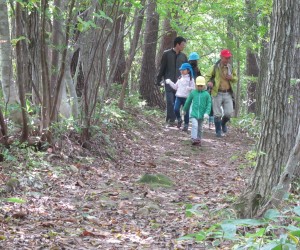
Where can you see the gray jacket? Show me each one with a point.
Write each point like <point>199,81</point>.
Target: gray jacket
<point>169,67</point>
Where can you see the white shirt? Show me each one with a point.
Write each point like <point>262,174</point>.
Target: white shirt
<point>184,86</point>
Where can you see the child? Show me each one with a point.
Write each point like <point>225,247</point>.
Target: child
<point>183,87</point>
<point>201,106</point>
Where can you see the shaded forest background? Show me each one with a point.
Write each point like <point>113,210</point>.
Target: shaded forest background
<point>62,62</point>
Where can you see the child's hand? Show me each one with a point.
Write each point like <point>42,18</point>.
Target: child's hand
<point>206,116</point>
<point>168,81</point>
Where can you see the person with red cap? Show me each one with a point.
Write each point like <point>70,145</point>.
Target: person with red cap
<point>220,78</point>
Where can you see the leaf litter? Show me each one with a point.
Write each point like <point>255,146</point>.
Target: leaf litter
<point>91,199</point>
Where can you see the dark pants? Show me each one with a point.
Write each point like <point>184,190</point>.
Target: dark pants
<point>180,101</point>
<point>170,100</point>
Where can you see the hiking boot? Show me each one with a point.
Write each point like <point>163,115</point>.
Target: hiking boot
<point>179,124</point>
<point>185,128</point>
<point>224,128</point>
<point>223,123</point>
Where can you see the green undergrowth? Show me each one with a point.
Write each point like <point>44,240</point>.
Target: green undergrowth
<point>276,230</point>
<point>247,123</point>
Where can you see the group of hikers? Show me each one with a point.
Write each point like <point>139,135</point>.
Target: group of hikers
<point>200,97</point>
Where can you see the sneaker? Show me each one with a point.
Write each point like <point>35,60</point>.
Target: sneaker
<point>179,124</point>
<point>185,128</point>
<point>211,126</point>
<point>220,134</point>
<point>196,142</point>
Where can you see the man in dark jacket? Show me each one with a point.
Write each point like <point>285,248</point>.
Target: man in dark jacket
<point>171,61</point>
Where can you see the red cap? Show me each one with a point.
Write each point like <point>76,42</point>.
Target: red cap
<point>226,53</point>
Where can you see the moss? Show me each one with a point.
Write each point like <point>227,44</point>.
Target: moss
<point>156,180</point>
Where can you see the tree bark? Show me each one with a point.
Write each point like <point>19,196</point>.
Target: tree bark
<point>21,69</point>
<point>284,34</point>
<point>166,41</point>
<point>286,178</point>
<point>118,52</point>
<point>262,75</point>
<point>148,90</point>
<point>252,69</point>
<point>139,17</point>
<point>8,87</point>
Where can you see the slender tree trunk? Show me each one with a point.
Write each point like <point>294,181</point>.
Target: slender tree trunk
<point>263,66</point>
<point>252,74</point>
<point>238,85</point>
<point>139,17</point>
<point>8,87</point>
<point>252,69</point>
<point>148,90</point>
<point>167,39</point>
<point>118,47</point>
<point>284,34</point>
<point>21,69</point>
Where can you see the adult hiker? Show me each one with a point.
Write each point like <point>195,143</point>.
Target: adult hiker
<point>220,78</point>
<point>171,61</point>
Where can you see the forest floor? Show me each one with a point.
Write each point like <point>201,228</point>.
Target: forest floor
<point>91,199</point>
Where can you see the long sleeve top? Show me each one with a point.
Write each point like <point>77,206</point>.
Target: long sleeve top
<point>183,86</point>
<point>201,103</point>
<point>169,66</point>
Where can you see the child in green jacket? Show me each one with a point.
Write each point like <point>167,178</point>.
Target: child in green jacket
<point>201,107</point>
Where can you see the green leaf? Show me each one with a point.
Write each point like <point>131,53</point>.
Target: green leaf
<point>245,222</point>
<point>15,200</point>
<point>187,237</point>
<point>200,236</point>
<point>229,231</point>
<point>193,210</point>
<point>297,210</point>
<point>272,214</point>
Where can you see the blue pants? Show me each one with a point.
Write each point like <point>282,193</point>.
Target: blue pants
<point>180,101</point>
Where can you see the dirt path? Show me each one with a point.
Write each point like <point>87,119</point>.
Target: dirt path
<point>91,202</point>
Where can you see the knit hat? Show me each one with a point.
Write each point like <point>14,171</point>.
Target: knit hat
<point>200,81</point>
<point>194,56</point>
<point>187,66</point>
<point>226,53</point>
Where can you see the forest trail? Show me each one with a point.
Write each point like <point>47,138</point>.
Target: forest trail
<point>94,203</point>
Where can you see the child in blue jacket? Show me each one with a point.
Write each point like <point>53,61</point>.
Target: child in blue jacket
<point>201,107</point>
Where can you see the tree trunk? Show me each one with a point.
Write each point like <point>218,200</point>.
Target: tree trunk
<point>118,45</point>
<point>8,87</point>
<point>252,74</point>
<point>167,40</point>
<point>263,66</point>
<point>284,31</point>
<point>252,69</point>
<point>238,85</point>
<point>148,90</point>
<point>286,177</point>
<point>21,69</point>
<point>139,17</point>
